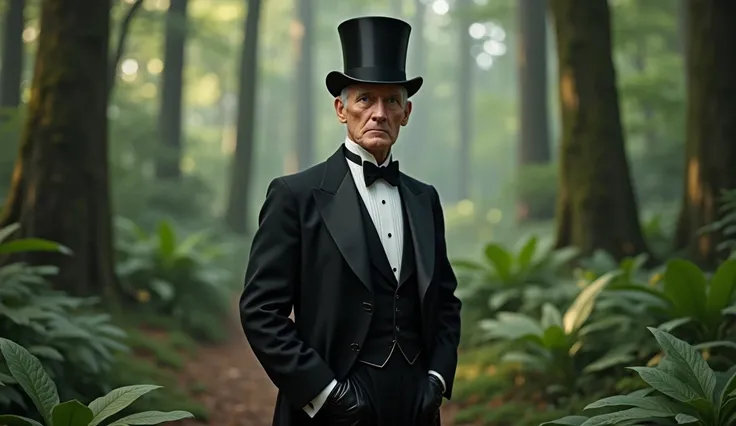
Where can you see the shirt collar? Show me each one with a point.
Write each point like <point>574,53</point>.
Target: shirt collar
<point>365,155</point>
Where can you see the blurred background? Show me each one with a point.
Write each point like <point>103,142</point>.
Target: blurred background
<point>584,152</point>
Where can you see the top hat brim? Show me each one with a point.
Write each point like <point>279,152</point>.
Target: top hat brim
<point>337,81</point>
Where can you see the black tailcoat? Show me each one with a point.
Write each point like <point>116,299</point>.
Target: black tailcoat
<point>310,253</point>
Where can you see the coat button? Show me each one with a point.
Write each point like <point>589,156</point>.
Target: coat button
<point>367,307</point>
<point>355,346</point>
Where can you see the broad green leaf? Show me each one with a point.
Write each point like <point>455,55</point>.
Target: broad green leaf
<point>8,231</point>
<point>500,259</point>
<point>667,384</point>
<point>166,238</point>
<point>715,344</point>
<point>603,324</point>
<point>550,316</point>
<point>728,389</point>
<point>71,413</point>
<point>625,415</point>
<point>685,285</point>
<point>671,325</point>
<point>689,363</point>
<point>153,418</point>
<point>501,297</point>
<point>526,254</point>
<point>515,325</point>
<point>4,378</point>
<point>609,360</point>
<point>683,419</point>
<point>555,338</point>
<point>722,286</point>
<point>29,373</point>
<point>12,420</point>
<point>469,265</point>
<point>582,307</point>
<point>529,361</point>
<point>118,399</point>
<point>657,403</point>
<point>567,421</point>
<point>32,244</point>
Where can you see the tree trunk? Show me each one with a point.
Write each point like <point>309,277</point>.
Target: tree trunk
<point>710,125</point>
<point>60,188</point>
<point>172,82</point>
<point>304,131</point>
<point>465,102</point>
<point>597,208</point>
<point>120,48</point>
<point>533,145</point>
<point>11,67</point>
<point>237,208</point>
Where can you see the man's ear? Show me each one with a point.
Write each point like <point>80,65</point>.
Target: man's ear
<point>407,113</point>
<point>340,110</point>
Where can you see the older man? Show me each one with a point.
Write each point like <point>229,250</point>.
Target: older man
<point>357,249</point>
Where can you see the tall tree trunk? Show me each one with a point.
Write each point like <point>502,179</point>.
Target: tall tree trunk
<point>465,101</point>
<point>60,188</point>
<point>172,82</point>
<point>597,208</point>
<point>414,142</point>
<point>304,131</point>
<point>120,47</point>
<point>241,173</point>
<point>533,145</point>
<point>11,67</point>
<point>710,125</point>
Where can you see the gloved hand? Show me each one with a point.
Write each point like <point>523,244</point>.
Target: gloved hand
<point>431,400</point>
<point>347,405</point>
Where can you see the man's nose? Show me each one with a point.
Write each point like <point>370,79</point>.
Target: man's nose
<point>379,111</point>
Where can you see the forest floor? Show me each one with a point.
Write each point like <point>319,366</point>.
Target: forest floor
<point>236,390</point>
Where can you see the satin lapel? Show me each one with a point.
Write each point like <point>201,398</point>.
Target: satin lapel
<point>421,222</point>
<point>337,201</point>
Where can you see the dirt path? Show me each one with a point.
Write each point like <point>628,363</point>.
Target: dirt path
<point>237,390</point>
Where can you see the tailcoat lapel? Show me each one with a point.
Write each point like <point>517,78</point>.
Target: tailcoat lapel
<point>419,212</point>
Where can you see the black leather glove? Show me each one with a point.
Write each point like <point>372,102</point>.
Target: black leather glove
<point>347,405</point>
<point>429,407</point>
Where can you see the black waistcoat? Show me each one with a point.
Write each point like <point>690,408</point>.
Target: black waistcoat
<point>396,320</point>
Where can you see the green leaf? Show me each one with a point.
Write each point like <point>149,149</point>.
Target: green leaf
<point>29,373</point>
<point>667,384</point>
<point>715,344</point>
<point>609,360</point>
<point>32,244</point>
<point>110,404</point>
<point>582,307</point>
<point>153,418</point>
<point>8,231</point>
<point>71,413</point>
<point>722,286</point>
<point>529,361</point>
<point>567,421</point>
<point>526,254</point>
<point>166,238</point>
<point>670,325</point>
<point>12,420</point>
<point>728,389</point>
<point>500,259</point>
<point>550,316</point>
<point>689,363</point>
<point>555,338</point>
<point>625,415</point>
<point>469,265</point>
<point>683,419</point>
<point>512,326</point>
<point>685,285</point>
<point>657,403</point>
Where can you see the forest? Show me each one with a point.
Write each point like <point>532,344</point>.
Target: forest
<point>584,152</point>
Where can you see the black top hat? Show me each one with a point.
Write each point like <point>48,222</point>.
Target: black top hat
<point>373,51</point>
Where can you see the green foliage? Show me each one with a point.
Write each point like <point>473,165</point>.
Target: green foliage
<point>75,344</point>
<point>175,277</point>
<point>537,187</point>
<point>553,345</point>
<point>30,375</point>
<point>726,225</point>
<point>684,390</point>
<point>520,279</point>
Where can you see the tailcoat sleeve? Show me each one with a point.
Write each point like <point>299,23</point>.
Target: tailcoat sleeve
<point>271,283</point>
<point>443,359</point>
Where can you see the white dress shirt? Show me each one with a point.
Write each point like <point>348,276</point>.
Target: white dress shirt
<point>383,202</point>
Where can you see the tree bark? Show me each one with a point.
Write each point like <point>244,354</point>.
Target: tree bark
<point>304,131</point>
<point>597,208</point>
<point>710,126</point>
<point>60,188</point>
<point>533,145</point>
<point>11,67</point>
<point>172,82</point>
<point>465,102</point>
<point>241,173</point>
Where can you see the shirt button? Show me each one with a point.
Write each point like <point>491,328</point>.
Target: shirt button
<point>383,201</point>
<point>389,235</point>
<point>394,269</point>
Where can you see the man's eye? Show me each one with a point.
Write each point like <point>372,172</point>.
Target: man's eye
<point>363,99</point>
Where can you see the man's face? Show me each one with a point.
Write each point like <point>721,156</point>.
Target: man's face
<point>374,114</point>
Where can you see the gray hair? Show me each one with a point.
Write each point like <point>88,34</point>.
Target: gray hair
<point>346,92</point>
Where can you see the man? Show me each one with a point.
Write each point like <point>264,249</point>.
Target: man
<point>358,250</point>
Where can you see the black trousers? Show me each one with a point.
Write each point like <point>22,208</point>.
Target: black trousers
<point>393,390</point>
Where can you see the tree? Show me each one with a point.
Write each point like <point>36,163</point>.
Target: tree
<point>304,69</point>
<point>464,86</point>
<point>596,207</point>
<point>172,82</point>
<point>533,144</point>
<point>60,188</point>
<point>11,65</point>
<point>241,173</point>
<point>710,159</point>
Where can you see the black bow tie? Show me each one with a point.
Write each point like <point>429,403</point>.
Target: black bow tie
<point>372,172</point>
